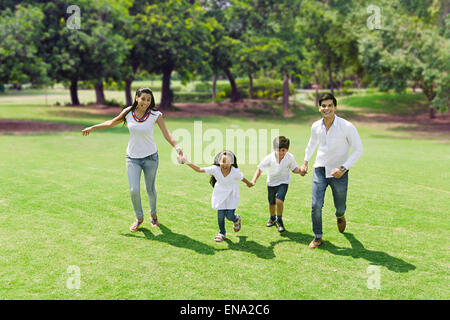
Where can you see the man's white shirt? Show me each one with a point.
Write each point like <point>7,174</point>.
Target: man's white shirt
<point>278,173</point>
<point>334,145</point>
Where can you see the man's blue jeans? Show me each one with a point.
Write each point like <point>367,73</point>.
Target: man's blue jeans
<point>319,186</point>
<point>134,168</point>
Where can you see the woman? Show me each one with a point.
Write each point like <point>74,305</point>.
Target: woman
<point>142,154</point>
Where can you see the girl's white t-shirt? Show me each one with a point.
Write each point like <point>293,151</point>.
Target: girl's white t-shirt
<point>278,173</point>
<point>226,191</point>
<point>141,143</point>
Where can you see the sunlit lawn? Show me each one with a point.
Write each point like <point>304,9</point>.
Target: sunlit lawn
<point>64,202</point>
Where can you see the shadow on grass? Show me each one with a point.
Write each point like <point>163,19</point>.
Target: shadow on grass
<point>356,251</point>
<point>174,239</point>
<point>252,247</point>
<point>183,241</point>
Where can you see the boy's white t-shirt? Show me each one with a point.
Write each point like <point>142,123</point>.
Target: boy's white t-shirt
<point>226,191</point>
<point>278,173</point>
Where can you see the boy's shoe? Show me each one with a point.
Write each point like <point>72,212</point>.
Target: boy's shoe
<point>341,223</point>
<point>280,225</point>
<point>315,243</point>
<point>270,222</point>
<point>237,224</point>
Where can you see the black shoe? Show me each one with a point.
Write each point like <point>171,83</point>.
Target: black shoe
<point>280,225</point>
<point>270,222</point>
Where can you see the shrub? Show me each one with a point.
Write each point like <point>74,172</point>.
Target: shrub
<point>262,89</point>
<point>192,97</point>
<point>203,87</point>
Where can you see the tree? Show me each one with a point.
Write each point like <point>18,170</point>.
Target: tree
<point>226,32</point>
<point>286,49</point>
<point>406,48</point>
<point>177,39</point>
<point>105,44</point>
<point>328,37</point>
<point>20,34</point>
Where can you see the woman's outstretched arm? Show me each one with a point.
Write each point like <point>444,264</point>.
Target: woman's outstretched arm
<point>107,124</point>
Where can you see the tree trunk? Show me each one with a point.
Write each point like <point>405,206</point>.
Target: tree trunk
<point>74,92</point>
<point>99,94</point>
<point>166,92</point>
<point>432,113</point>
<point>214,92</point>
<point>430,94</point>
<point>285,93</point>
<point>234,90</point>
<point>317,90</point>
<point>128,97</point>
<point>250,88</point>
<point>330,76</point>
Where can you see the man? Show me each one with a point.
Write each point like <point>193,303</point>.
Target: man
<point>334,136</point>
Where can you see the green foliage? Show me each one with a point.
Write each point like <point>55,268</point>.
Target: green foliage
<point>20,33</point>
<point>192,97</point>
<point>406,49</point>
<point>262,89</point>
<point>203,87</point>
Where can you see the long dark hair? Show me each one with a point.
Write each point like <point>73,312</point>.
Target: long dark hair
<point>139,92</point>
<point>217,158</point>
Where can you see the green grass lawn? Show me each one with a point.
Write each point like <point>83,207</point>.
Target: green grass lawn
<point>64,201</point>
<point>388,103</point>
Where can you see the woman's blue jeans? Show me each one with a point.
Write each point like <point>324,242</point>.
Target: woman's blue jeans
<point>134,168</point>
<point>319,186</point>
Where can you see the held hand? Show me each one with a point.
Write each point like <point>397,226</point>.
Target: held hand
<point>337,173</point>
<point>181,159</point>
<point>250,184</point>
<point>179,151</point>
<point>86,131</point>
<point>303,170</point>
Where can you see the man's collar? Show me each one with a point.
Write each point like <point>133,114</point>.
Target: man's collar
<point>333,123</point>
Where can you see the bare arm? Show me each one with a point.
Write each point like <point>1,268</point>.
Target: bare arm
<point>248,183</point>
<point>166,133</point>
<point>304,168</point>
<point>256,175</point>
<point>194,166</point>
<point>107,124</point>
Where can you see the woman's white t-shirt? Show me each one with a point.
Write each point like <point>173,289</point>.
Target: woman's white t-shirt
<point>226,191</point>
<point>141,143</point>
<point>278,173</point>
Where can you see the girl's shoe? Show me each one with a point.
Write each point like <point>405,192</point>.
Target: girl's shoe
<point>135,226</point>
<point>220,237</point>
<point>237,224</point>
<point>315,243</point>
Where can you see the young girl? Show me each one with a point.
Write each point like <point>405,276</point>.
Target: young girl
<point>142,154</point>
<point>224,176</point>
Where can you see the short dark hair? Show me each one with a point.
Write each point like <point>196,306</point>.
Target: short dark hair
<point>327,96</point>
<point>281,142</point>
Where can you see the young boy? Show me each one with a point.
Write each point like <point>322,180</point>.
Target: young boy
<point>279,163</point>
